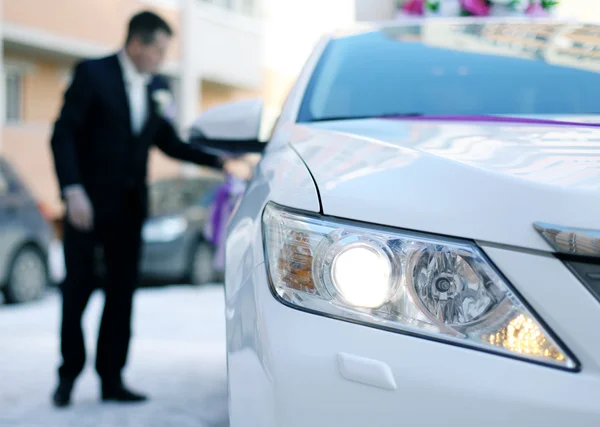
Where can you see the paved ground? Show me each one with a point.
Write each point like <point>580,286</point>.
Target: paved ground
<point>178,357</point>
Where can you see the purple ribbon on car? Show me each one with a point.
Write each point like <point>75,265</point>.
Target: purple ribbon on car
<point>221,205</point>
<point>221,208</point>
<point>495,119</point>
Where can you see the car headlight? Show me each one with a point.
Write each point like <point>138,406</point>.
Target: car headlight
<point>165,229</point>
<point>444,289</point>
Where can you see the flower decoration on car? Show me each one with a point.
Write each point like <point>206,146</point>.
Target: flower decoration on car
<point>475,7</point>
<point>478,7</point>
<point>414,7</point>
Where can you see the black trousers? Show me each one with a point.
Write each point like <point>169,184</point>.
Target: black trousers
<point>121,241</point>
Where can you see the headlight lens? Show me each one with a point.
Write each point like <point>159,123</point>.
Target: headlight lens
<point>350,261</point>
<point>442,288</point>
<point>165,229</point>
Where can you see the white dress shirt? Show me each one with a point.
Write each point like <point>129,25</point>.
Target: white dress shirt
<point>136,87</point>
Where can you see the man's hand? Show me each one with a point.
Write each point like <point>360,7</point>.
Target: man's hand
<point>241,167</point>
<point>79,208</point>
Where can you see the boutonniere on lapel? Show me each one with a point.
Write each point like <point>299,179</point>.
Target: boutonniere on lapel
<point>164,102</point>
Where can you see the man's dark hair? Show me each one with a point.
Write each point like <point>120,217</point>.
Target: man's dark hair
<point>145,25</point>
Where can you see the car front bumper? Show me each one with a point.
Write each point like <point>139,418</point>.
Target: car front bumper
<point>296,369</point>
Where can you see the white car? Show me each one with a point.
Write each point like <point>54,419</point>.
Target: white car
<point>420,243</point>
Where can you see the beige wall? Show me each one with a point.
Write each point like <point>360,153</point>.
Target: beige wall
<point>277,86</point>
<point>43,88</point>
<point>28,150</point>
<point>97,21</point>
<point>212,94</point>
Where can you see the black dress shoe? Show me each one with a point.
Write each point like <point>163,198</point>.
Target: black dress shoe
<point>62,395</point>
<point>119,393</point>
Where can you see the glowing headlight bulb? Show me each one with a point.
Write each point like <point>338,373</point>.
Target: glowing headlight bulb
<point>362,276</point>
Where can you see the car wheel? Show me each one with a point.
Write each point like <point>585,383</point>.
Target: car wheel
<point>27,277</point>
<point>202,270</point>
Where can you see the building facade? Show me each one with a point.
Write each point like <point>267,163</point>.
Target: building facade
<point>42,40</point>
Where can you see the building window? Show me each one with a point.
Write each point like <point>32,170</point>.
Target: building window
<point>245,7</point>
<point>227,4</point>
<point>14,97</point>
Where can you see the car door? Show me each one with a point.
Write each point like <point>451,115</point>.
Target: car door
<point>8,220</point>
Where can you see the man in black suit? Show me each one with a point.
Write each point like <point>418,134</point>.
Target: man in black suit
<point>113,113</point>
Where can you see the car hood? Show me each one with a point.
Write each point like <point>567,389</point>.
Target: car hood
<point>483,181</point>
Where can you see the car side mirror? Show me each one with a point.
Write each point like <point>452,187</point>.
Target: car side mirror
<point>231,128</point>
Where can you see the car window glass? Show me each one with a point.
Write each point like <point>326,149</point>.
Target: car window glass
<point>381,73</point>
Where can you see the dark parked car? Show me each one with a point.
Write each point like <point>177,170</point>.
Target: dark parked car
<point>175,250</point>
<point>25,237</point>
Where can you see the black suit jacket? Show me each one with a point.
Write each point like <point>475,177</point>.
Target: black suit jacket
<point>93,144</point>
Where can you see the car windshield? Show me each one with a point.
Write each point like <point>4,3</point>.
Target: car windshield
<point>174,195</point>
<point>450,69</point>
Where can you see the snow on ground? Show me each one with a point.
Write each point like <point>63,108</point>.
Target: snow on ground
<point>177,357</point>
